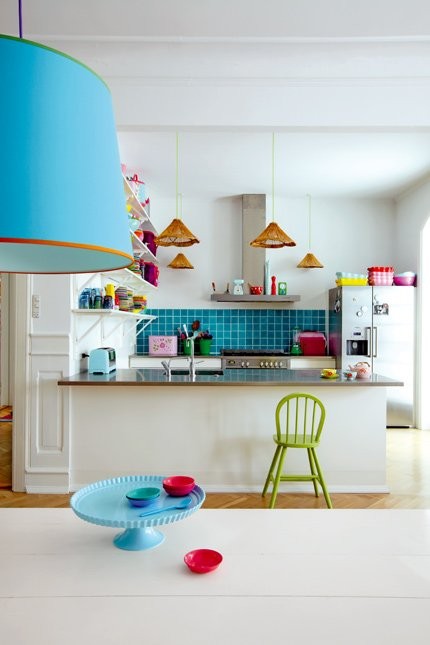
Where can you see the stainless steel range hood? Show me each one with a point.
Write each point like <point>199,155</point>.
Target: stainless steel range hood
<point>253,222</point>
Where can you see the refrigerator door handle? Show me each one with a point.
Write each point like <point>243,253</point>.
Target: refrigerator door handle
<point>375,342</point>
<point>369,339</point>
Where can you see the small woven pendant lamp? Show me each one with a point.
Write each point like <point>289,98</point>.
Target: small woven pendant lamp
<point>176,234</point>
<point>180,262</point>
<point>273,237</point>
<point>310,261</point>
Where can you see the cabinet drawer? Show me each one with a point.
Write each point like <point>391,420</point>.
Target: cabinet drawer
<point>311,362</point>
<point>154,362</point>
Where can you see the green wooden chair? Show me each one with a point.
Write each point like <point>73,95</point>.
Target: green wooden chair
<point>299,423</point>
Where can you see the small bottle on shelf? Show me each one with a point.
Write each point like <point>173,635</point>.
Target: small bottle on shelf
<point>273,288</point>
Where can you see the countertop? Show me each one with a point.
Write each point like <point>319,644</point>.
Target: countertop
<point>230,377</point>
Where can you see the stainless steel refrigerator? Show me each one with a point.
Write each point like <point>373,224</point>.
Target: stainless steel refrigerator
<point>377,325</point>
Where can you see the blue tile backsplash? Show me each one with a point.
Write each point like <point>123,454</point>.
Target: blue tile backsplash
<point>235,328</point>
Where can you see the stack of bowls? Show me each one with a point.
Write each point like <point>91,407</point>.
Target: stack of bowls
<point>139,303</point>
<point>380,276</point>
<point>122,294</point>
<point>143,496</point>
<point>406,279</point>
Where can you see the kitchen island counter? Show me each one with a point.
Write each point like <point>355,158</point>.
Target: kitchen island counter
<point>230,377</point>
<point>219,429</point>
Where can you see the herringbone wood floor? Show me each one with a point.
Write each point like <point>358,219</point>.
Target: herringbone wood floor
<point>408,466</point>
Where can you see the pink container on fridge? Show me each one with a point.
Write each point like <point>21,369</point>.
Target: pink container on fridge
<point>313,343</point>
<point>405,280</point>
<point>380,276</point>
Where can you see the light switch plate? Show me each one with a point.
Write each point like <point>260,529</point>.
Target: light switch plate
<point>35,306</point>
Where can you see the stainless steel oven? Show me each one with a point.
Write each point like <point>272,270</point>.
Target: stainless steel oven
<point>254,359</point>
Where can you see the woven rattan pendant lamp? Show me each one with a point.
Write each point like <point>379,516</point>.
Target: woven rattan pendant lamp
<point>61,190</point>
<point>273,237</point>
<point>180,262</point>
<point>310,261</point>
<point>176,234</point>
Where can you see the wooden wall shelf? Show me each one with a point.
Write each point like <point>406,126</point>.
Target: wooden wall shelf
<point>228,297</point>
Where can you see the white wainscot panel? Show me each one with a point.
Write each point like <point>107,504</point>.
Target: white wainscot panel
<point>47,468</point>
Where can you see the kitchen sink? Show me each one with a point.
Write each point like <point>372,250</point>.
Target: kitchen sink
<point>199,372</point>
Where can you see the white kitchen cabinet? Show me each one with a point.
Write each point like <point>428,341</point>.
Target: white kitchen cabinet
<point>311,362</point>
<point>214,362</point>
<point>154,362</point>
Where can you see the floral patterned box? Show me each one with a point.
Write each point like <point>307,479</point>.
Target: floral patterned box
<point>163,345</point>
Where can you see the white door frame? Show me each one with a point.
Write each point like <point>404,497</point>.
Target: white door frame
<point>5,397</point>
<point>423,374</point>
<point>19,321</point>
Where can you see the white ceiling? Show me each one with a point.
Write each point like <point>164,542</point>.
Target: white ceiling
<point>344,85</point>
<point>324,164</point>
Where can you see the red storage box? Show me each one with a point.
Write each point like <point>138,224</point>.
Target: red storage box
<point>313,343</point>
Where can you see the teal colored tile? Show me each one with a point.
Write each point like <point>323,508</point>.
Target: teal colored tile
<point>248,329</point>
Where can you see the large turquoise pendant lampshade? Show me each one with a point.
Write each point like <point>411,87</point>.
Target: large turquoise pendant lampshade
<point>62,205</point>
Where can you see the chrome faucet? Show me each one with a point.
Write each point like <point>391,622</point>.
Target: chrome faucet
<point>167,369</point>
<point>191,357</point>
<point>167,366</point>
<point>192,363</point>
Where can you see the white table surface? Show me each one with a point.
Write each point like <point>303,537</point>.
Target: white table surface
<point>304,576</point>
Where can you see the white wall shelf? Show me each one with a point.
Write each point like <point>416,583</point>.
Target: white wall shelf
<point>99,316</point>
<point>137,209</point>
<point>123,277</point>
<point>128,278</point>
<point>97,326</point>
<point>140,248</point>
<point>228,297</point>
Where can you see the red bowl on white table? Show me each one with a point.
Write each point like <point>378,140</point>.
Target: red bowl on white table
<point>203,560</point>
<point>179,485</point>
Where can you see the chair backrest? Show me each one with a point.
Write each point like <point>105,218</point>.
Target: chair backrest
<point>299,419</point>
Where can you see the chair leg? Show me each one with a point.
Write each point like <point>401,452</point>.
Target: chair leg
<point>277,477</point>
<point>270,473</point>
<point>321,479</point>
<point>313,471</point>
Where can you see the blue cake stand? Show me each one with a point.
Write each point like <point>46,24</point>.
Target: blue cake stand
<point>105,503</point>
